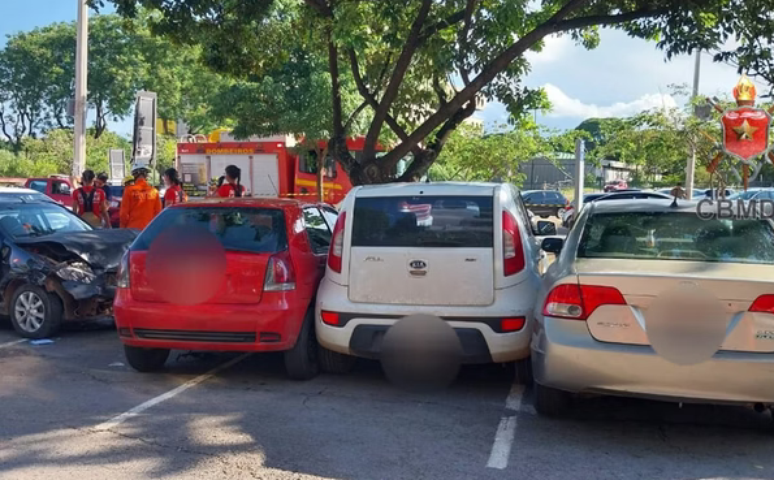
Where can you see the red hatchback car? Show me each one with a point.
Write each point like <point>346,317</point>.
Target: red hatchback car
<point>275,250</point>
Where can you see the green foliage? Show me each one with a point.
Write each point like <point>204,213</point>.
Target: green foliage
<point>402,57</point>
<point>52,154</point>
<point>37,71</point>
<point>471,155</point>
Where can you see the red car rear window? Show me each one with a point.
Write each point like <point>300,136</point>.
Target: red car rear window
<point>258,230</point>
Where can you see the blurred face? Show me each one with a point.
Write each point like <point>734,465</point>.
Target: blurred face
<point>99,182</point>
<point>167,181</point>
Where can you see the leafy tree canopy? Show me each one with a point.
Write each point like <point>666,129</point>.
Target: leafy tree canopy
<point>420,65</point>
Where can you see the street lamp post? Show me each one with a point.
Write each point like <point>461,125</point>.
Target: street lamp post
<point>81,76</point>
<point>691,168</point>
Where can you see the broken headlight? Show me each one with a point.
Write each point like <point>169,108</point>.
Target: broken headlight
<point>76,273</point>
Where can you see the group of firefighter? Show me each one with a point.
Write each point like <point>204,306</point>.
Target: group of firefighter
<point>141,202</point>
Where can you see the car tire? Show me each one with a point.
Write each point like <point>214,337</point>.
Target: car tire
<point>335,362</point>
<point>551,402</point>
<point>146,360</point>
<point>301,360</point>
<point>522,371</point>
<point>36,313</point>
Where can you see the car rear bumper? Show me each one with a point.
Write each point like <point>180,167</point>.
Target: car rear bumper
<point>365,324</point>
<point>565,356</point>
<point>272,325</point>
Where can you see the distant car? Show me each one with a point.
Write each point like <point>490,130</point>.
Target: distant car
<point>275,253</point>
<point>651,300</point>
<point>569,220</point>
<point>569,212</point>
<point>474,266</point>
<point>754,194</point>
<point>616,185</point>
<point>712,193</point>
<point>544,203</point>
<point>697,194</point>
<point>57,187</point>
<point>56,267</point>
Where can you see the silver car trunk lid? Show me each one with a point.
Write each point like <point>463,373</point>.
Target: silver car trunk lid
<point>644,282</point>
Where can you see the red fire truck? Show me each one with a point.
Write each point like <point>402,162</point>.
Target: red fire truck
<point>271,166</point>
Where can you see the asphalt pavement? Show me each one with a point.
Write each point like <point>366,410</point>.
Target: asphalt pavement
<point>74,410</point>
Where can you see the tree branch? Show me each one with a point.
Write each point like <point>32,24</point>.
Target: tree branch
<point>556,23</point>
<point>337,144</point>
<point>431,30</point>
<point>439,91</point>
<point>396,79</point>
<point>371,100</point>
<point>470,6</point>
<point>422,163</point>
<point>321,6</point>
<point>5,126</point>
<point>354,114</point>
<point>602,20</point>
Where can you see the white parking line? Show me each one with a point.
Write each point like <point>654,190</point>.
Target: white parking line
<point>11,344</point>
<point>501,449</point>
<point>506,430</point>
<point>513,402</point>
<point>118,420</point>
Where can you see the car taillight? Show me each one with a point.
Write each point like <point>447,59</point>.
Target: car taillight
<point>122,280</point>
<point>330,318</point>
<point>513,324</point>
<point>578,302</point>
<point>337,244</point>
<point>513,251</point>
<point>763,304</point>
<point>280,274</point>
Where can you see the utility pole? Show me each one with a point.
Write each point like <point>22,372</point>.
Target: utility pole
<point>691,168</point>
<point>81,77</point>
<point>580,173</point>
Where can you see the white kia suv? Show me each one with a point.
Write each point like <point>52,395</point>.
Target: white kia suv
<point>463,252</point>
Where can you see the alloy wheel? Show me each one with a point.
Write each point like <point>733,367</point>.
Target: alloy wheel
<point>29,312</point>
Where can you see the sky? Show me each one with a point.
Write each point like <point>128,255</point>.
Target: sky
<point>620,77</point>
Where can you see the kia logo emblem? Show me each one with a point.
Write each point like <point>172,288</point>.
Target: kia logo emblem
<point>417,264</point>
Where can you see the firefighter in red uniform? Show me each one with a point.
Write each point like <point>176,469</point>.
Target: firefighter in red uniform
<point>232,187</point>
<point>174,193</point>
<point>90,202</point>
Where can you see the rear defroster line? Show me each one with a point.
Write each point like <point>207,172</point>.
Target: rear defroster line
<point>118,420</point>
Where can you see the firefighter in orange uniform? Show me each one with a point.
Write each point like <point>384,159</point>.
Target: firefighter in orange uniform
<point>141,202</point>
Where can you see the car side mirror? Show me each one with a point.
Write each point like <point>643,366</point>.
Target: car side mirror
<point>546,228</point>
<point>552,245</point>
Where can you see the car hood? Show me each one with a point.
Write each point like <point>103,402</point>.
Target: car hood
<point>99,248</point>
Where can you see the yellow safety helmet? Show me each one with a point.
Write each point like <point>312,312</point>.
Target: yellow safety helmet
<point>128,180</point>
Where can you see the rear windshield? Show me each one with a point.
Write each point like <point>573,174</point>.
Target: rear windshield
<point>258,230</point>
<point>426,221</point>
<point>677,236</point>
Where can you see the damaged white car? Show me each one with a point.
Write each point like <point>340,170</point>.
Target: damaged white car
<point>54,267</point>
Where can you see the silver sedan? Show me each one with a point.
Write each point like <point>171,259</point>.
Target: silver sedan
<point>649,299</point>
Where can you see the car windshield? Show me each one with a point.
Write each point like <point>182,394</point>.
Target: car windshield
<point>677,236</point>
<point>255,230</point>
<point>38,219</point>
<point>426,221</point>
